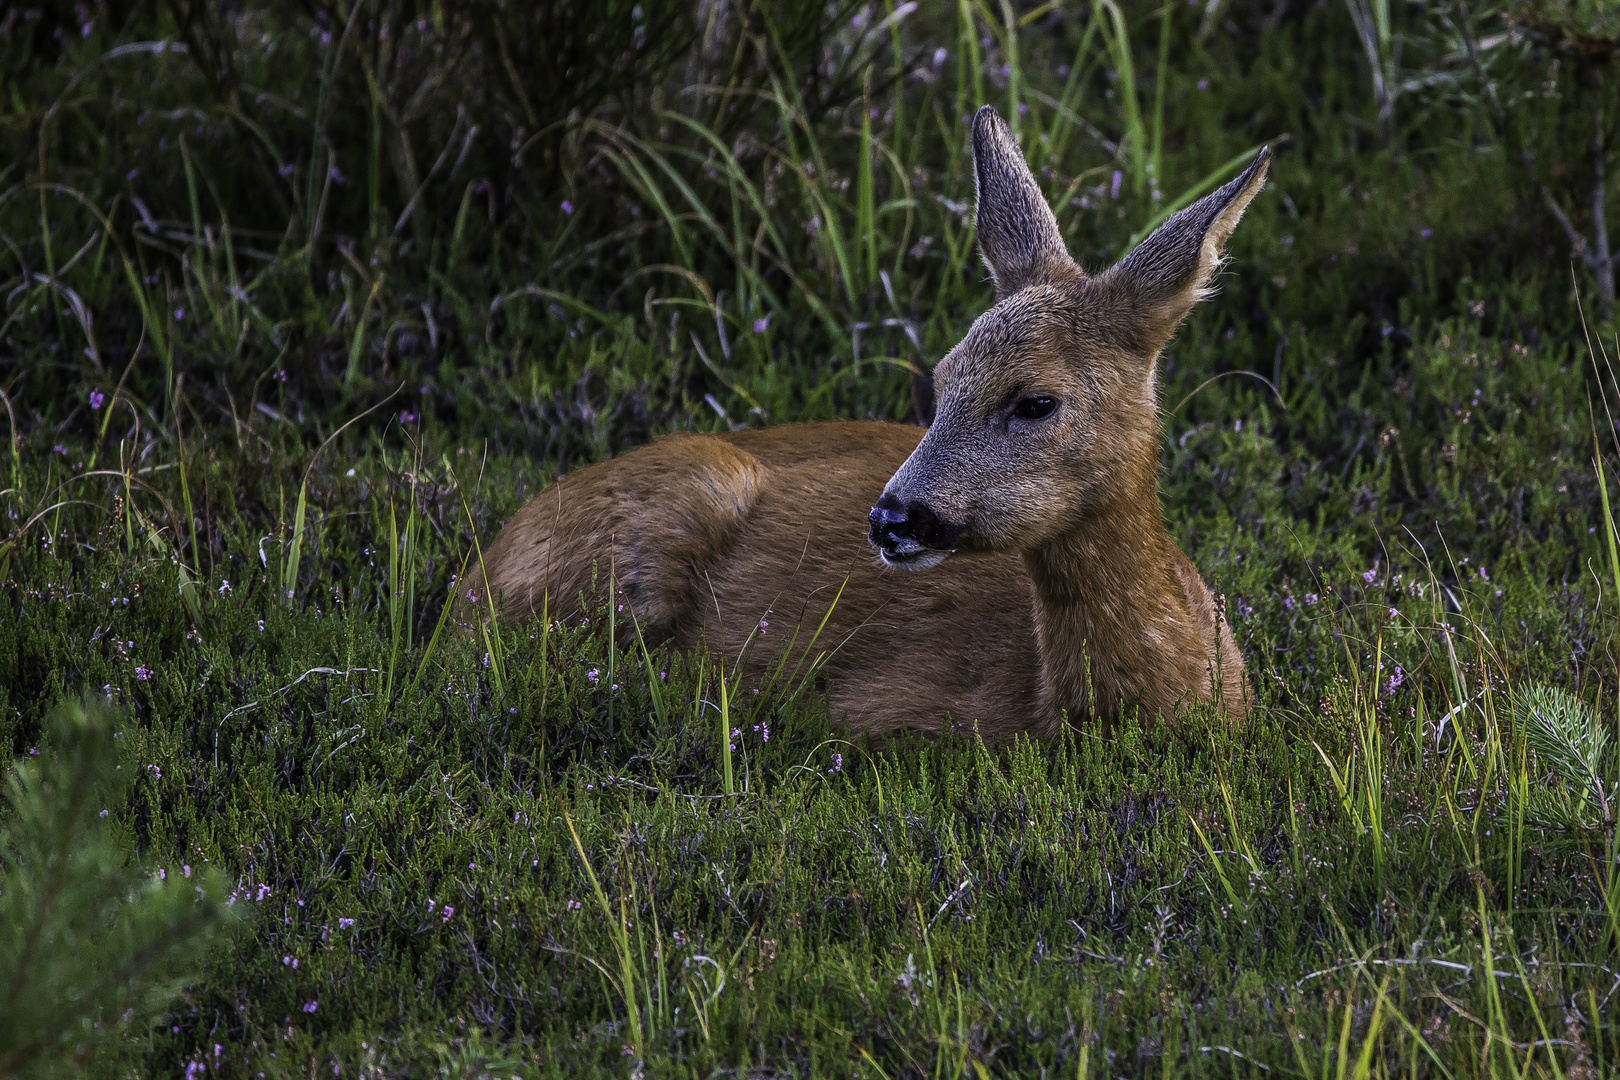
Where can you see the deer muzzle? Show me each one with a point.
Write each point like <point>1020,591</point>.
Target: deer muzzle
<point>910,535</point>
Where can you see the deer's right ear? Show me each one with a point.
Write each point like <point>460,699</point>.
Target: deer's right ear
<point>1174,268</point>
<point>1018,234</point>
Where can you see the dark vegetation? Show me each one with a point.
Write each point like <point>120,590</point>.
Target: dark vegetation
<point>302,301</point>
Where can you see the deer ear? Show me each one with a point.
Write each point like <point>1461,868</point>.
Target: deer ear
<point>1175,268</point>
<point>1018,235</point>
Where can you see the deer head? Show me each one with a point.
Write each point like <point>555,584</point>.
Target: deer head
<point>1047,411</point>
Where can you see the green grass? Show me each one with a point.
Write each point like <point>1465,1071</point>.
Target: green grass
<point>260,419</point>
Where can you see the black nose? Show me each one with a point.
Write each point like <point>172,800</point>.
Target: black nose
<point>893,521</point>
<point>888,520</point>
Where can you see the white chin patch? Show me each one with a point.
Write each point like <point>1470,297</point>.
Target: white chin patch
<point>923,559</point>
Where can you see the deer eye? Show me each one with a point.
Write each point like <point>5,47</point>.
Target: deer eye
<point>1035,407</point>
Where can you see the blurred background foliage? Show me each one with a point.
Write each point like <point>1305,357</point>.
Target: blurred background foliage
<point>770,199</point>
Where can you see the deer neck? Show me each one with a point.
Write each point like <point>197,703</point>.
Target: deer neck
<point>1112,619</point>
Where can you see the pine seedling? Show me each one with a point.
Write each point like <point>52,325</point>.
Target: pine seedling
<point>92,946</point>
<point>1568,740</point>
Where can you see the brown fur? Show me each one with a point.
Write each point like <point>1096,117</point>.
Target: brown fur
<point>1062,592</point>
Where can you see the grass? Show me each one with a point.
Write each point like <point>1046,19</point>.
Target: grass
<point>296,316</point>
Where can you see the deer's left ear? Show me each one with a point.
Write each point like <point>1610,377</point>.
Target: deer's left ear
<point>1175,268</point>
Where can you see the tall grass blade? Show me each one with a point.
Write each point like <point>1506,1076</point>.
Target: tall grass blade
<point>865,224</point>
<point>1117,41</point>
<point>295,548</point>
<point>617,925</point>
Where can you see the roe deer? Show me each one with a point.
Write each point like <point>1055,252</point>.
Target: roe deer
<point>1065,593</point>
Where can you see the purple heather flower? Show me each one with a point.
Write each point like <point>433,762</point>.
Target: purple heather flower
<point>1113,190</point>
<point>344,924</point>
<point>567,207</point>
<point>143,673</point>
<point>311,1006</point>
<point>96,398</point>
